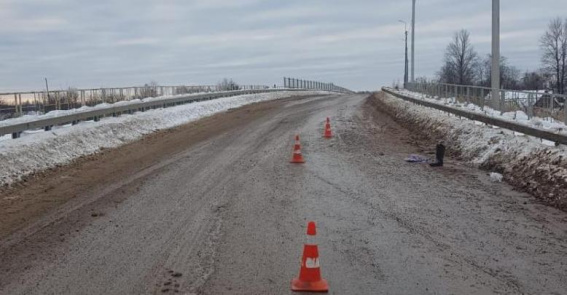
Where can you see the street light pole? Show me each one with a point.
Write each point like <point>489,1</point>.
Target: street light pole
<point>413,43</point>
<point>495,51</point>
<point>406,56</point>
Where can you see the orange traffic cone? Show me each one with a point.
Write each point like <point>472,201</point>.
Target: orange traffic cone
<point>297,157</point>
<point>328,132</point>
<point>310,273</point>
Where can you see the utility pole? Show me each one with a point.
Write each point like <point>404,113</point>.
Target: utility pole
<point>496,51</point>
<point>413,43</point>
<point>406,65</point>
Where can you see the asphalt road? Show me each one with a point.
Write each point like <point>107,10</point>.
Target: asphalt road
<point>226,213</point>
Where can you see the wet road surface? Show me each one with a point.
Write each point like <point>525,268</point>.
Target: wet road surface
<point>227,215</point>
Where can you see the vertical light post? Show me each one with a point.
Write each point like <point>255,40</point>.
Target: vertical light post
<point>406,56</point>
<point>413,43</point>
<point>496,51</point>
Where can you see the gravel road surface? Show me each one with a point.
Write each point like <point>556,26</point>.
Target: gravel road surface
<point>214,207</point>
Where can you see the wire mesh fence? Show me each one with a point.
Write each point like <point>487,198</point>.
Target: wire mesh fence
<point>533,103</point>
<point>19,103</point>
<point>306,84</point>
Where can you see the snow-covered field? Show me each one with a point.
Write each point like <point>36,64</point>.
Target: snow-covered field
<point>519,117</point>
<point>39,150</point>
<point>524,161</point>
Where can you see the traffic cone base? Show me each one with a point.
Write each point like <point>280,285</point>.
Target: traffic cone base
<point>300,286</point>
<point>297,158</point>
<point>328,132</point>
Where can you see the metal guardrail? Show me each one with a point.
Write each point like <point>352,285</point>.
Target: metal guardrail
<point>47,124</point>
<point>534,104</point>
<point>14,104</point>
<point>314,85</point>
<point>539,133</point>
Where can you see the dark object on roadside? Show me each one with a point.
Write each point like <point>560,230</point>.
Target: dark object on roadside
<point>439,154</point>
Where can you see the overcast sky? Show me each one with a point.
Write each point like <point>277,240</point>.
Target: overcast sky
<point>357,44</point>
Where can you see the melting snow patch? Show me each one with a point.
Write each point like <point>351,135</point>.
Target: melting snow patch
<point>496,177</point>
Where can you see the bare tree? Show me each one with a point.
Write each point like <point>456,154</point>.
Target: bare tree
<point>461,60</point>
<point>554,58</point>
<point>533,81</point>
<point>227,84</point>
<point>509,75</point>
<point>149,90</point>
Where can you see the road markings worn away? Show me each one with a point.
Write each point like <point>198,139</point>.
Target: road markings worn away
<point>225,213</point>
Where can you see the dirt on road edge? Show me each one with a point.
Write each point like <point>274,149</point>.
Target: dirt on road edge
<point>542,173</point>
<point>35,196</point>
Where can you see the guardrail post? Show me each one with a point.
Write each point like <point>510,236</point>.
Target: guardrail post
<point>551,106</point>
<point>57,101</point>
<point>530,106</point>
<point>82,98</point>
<point>482,99</point>
<point>565,109</point>
<point>16,104</point>
<point>20,103</point>
<point>502,101</point>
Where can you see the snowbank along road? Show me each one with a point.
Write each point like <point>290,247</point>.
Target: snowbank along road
<point>215,207</point>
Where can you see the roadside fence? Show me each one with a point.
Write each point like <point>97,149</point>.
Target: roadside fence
<point>114,110</point>
<point>18,103</point>
<point>313,85</point>
<point>532,103</point>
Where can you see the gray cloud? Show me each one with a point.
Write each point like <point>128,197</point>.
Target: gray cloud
<point>357,43</point>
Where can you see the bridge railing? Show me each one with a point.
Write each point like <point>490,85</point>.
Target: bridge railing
<point>313,85</point>
<point>551,135</point>
<point>95,114</point>
<point>16,104</point>
<point>532,103</point>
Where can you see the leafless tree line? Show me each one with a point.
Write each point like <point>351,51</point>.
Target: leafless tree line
<point>464,66</point>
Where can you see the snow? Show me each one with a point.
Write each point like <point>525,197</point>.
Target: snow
<point>496,177</point>
<point>40,150</point>
<point>33,116</point>
<point>520,117</point>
